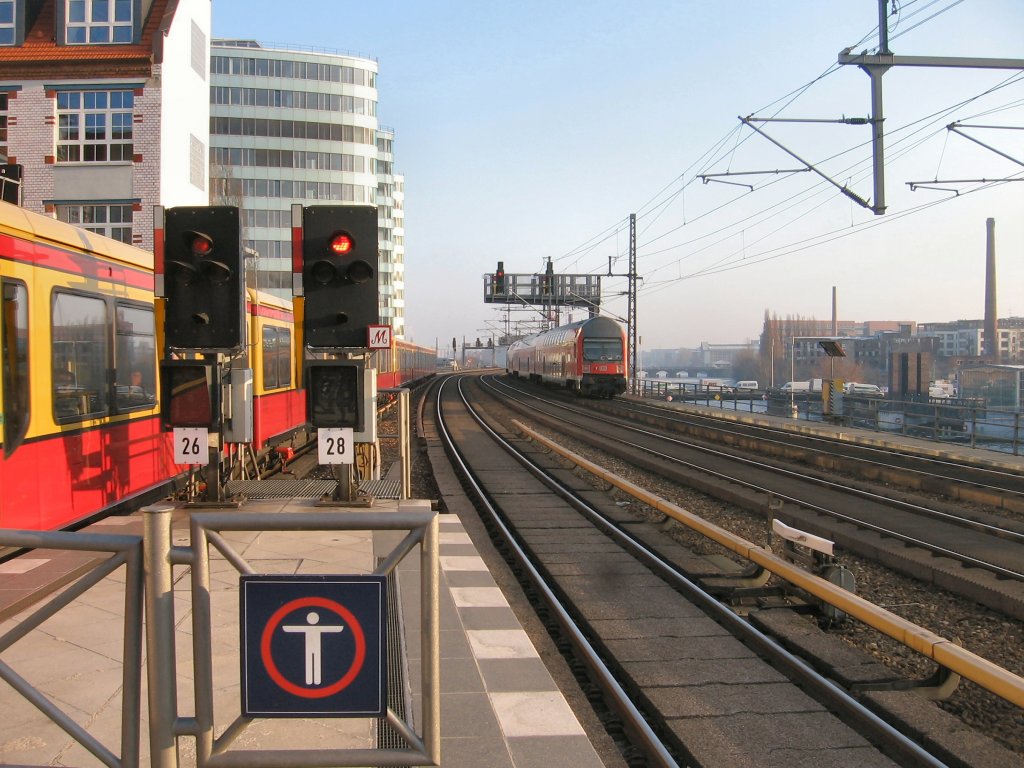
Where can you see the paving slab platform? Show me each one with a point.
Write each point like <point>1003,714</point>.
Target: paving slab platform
<point>499,706</point>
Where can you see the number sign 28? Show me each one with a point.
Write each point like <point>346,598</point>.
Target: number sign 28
<point>336,445</point>
<point>191,445</point>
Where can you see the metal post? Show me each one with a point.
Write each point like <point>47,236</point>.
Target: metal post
<point>877,138</point>
<point>202,645</point>
<point>631,306</point>
<point>344,475</point>
<point>405,441</point>
<point>431,611</point>
<point>160,651</point>
<point>131,705</point>
<point>793,413</point>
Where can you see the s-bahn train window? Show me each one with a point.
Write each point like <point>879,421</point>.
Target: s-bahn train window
<point>277,357</point>
<point>79,337</point>
<point>135,367</point>
<point>602,349</point>
<point>14,348</point>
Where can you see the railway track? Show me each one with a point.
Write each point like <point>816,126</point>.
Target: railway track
<point>670,649</point>
<point>989,480</point>
<point>975,555</point>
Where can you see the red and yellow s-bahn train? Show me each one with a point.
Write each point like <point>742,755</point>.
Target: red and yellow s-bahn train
<point>587,357</point>
<point>80,346</point>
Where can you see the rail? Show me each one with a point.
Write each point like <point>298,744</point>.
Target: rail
<point>992,677</point>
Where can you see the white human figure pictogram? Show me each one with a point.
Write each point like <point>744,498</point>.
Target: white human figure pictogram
<point>313,633</point>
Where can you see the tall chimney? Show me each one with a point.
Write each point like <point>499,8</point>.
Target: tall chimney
<point>991,353</point>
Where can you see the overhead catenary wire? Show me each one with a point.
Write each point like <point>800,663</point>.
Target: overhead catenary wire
<point>828,237</point>
<point>897,150</point>
<point>904,139</point>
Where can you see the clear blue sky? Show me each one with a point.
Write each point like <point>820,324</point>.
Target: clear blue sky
<point>530,130</point>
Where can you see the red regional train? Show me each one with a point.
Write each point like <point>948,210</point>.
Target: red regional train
<point>586,357</point>
<point>80,342</point>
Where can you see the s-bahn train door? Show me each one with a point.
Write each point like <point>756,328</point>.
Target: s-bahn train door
<point>14,379</point>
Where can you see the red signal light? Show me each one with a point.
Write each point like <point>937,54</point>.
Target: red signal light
<point>202,245</point>
<point>342,244</point>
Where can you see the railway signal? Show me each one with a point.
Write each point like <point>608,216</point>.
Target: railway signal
<point>203,278</point>
<point>189,394</point>
<point>339,275</point>
<point>336,394</point>
<point>499,278</point>
<point>547,280</point>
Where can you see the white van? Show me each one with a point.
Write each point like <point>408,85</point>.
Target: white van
<point>796,386</point>
<point>746,386</point>
<point>870,390</point>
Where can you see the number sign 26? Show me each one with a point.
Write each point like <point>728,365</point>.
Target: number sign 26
<point>336,445</point>
<point>191,445</point>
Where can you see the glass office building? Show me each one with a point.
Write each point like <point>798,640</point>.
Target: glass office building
<point>290,125</point>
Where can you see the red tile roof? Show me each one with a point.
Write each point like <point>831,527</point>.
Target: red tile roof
<point>40,57</point>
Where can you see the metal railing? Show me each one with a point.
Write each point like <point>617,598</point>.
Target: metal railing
<point>149,585</point>
<point>402,435</point>
<point>126,551</point>
<point>964,422</point>
<point>166,725</point>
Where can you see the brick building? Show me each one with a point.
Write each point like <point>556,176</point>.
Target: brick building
<point>97,106</point>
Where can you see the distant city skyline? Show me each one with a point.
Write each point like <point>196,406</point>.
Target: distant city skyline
<point>532,131</point>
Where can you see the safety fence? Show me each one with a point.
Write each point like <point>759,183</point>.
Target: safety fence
<point>149,581</point>
<point>961,421</point>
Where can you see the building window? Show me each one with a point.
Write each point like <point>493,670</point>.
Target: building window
<point>286,158</point>
<point>6,22</point>
<point>290,129</point>
<point>113,221</point>
<point>227,188</point>
<point>198,50</point>
<point>197,162</point>
<point>98,21</point>
<point>94,126</point>
<point>298,70</point>
<point>271,97</point>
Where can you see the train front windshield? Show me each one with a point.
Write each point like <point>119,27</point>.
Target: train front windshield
<point>602,350</point>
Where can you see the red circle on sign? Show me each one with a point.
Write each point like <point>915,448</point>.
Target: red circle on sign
<point>333,688</point>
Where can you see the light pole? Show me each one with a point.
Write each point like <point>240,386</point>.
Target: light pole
<point>793,412</point>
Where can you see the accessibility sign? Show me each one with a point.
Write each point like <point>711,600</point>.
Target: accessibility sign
<point>313,645</point>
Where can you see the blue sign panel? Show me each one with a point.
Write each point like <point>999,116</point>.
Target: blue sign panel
<point>313,645</point>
